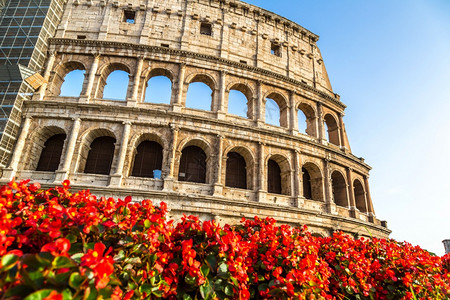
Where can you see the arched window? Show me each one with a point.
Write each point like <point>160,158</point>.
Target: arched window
<point>116,87</point>
<point>332,129</point>
<point>237,103</point>
<point>272,112</point>
<point>148,158</point>
<point>307,190</point>
<point>302,124</point>
<point>51,154</point>
<point>199,96</point>
<point>360,197</point>
<point>192,165</point>
<point>339,189</point>
<point>100,156</point>
<point>236,175</point>
<point>273,177</point>
<point>72,84</point>
<point>159,90</point>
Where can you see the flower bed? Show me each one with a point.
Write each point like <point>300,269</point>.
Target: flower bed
<point>55,244</point>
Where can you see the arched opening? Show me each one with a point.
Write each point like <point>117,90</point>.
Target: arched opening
<point>360,196</point>
<point>51,153</point>
<point>116,86</point>
<point>100,156</point>
<point>302,125</point>
<point>273,177</point>
<point>192,165</point>
<point>199,96</point>
<point>72,84</point>
<point>276,110</point>
<point>148,160</point>
<point>306,178</point>
<point>332,129</point>
<point>236,175</point>
<point>237,103</point>
<point>312,182</point>
<point>159,90</point>
<point>272,112</point>
<point>339,189</point>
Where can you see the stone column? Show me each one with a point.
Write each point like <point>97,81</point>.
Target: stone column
<point>262,191</point>
<point>351,193</point>
<point>87,94</point>
<point>10,172</point>
<point>342,132</point>
<point>369,204</point>
<point>50,63</point>
<point>328,189</point>
<point>293,122</point>
<point>299,199</point>
<point>116,178</point>
<point>176,106</point>
<point>63,173</point>
<point>218,185</point>
<point>169,180</point>
<point>136,83</point>
<point>104,28</point>
<point>260,105</point>
<point>320,126</point>
<point>220,106</point>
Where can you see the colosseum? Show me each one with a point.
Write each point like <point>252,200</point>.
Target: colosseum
<point>208,161</point>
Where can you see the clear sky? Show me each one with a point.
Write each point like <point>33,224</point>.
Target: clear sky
<point>390,62</point>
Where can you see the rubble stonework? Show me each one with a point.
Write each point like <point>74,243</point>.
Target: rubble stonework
<point>228,45</point>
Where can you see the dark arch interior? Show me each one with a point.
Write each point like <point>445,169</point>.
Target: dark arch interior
<point>192,165</point>
<point>339,189</point>
<point>307,191</point>
<point>51,153</point>
<point>148,158</point>
<point>100,156</point>
<point>273,177</point>
<point>236,175</point>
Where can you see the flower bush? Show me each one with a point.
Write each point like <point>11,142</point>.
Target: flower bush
<point>55,244</point>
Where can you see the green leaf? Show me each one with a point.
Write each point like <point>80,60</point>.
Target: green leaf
<point>229,290</point>
<point>212,261</point>
<point>9,261</point>
<point>133,260</point>
<point>205,290</point>
<point>67,294</point>
<point>76,280</point>
<point>147,223</point>
<point>77,257</point>
<point>205,270</point>
<point>145,288</point>
<point>222,271</point>
<point>62,262</point>
<point>39,295</point>
<point>19,291</point>
<point>189,279</point>
<point>72,238</point>
<point>187,297</point>
<point>263,287</point>
<point>119,256</point>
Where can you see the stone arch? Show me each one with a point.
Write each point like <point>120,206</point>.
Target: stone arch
<point>283,107</point>
<point>156,72</point>
<point>249,158</point>
<point>360,196</point>
<point>207,80</point>
<point>310,115</point>
<point>316,180</point>
<point>135,141</point>
<point>201,144</point>
<point>333,129</point>
<point>38,139</point>
<point>105,71</point>
<point>85,145</point>
<point>247,91</point>
<point>60,73</point>
<point>339,188</point>
<point>284,174</point>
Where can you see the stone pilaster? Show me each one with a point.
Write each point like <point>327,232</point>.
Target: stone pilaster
<point>168,181</point>
<point>261,173</point>
<point>50,63</point>
<point>86,98</point>
<point>10,172</point>
<point>116,178</point>
<point>176,106</point>
<point>136,83</point>
<point>63,173</point>
<point>218,184</point>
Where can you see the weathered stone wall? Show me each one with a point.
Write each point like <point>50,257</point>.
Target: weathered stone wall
<point>94,36</point>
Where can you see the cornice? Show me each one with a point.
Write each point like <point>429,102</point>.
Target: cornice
<point>189,54</point>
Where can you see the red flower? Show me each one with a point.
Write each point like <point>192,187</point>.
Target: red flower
<point>60,247</point>
<point>54,295</point>
<point>101,263</point>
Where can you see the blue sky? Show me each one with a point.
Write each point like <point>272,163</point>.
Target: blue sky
<point>390,62</point>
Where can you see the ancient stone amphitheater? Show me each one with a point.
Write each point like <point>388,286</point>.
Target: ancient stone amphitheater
<point>214,163</point>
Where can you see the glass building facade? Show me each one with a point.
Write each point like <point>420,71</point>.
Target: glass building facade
<point>25,26</point>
